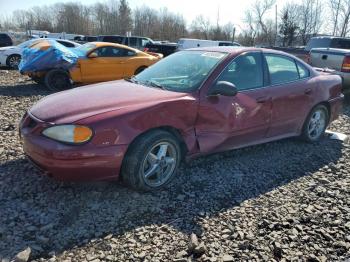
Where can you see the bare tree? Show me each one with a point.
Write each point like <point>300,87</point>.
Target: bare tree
<point>289,24</point>
<point>335,7</point>
<point>201,27</point>
<point>258,27</point>
<point>310,20</point>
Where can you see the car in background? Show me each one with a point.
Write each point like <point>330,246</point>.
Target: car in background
<point>160,47</point>
<point>82,39</point>
<point>10,56</point>
<point>333,60</point>
<point>187,43</point>
<point>317,42</point>
<point>5,40</point>
<point>137,42</point>
<point>194,102</point>
<point>92,62</point>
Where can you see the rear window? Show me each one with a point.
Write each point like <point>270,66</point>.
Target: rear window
<point>341,43</point>
<point>318,43</point>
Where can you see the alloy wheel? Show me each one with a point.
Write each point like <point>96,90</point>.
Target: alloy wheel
<point>14,61</point>
<point>159,164</point>
<point>317,124</point>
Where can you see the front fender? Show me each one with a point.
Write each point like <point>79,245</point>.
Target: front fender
<point>129,123</point>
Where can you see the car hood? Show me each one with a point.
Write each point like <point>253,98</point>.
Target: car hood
<point>82,102</point>
<point>7,48</point>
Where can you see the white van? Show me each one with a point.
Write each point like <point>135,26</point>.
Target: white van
<point>186,43</point>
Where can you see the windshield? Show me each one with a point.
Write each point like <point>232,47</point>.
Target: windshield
<point>183,71</point>
<point>85,48</point>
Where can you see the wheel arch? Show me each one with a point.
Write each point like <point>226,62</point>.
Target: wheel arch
<point>170,129</point>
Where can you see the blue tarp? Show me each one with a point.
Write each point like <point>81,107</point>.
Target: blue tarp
<point>48,54</point>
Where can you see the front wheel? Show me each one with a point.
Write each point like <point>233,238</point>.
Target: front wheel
<point>315,124</point>
<point>152,161</point>
<point>13,61</point>
<point>57,80</point>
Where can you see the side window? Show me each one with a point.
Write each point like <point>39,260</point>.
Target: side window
<point>109,51</point>
<point>133,41</point>
<point>144,42</point>
<point>130,53</point>
<point>282,69</point>
<point>303,71</point>
<point>245,72</point>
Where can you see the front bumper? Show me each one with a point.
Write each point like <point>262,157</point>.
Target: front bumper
<point>63,162</point>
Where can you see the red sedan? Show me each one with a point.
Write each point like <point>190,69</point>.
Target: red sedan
<point>191,103</point>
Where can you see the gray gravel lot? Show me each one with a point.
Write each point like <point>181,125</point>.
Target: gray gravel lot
<point>282,201</point>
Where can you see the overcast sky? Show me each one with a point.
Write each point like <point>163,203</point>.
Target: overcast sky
<point>229,10</point>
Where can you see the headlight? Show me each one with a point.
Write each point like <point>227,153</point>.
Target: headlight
<point>69,133</point>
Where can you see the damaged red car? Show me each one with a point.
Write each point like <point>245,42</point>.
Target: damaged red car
<point>191,103</point>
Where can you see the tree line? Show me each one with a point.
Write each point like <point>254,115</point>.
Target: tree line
<point>293,23</point>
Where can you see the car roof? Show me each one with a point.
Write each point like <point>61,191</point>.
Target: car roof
<point>227,49</point>
<point>236,49</point>
<point>101,44</point>
<point>329,37</point>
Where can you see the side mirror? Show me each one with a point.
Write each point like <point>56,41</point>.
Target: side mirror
<point>223,88</point>
<point>93,55</point>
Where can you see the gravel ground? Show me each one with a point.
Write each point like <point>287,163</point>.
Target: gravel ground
<point>282,201</point>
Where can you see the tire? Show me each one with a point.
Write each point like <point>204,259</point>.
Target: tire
<point>13,61</point>
<point>57,80</point>
<point>315,124</point>
<point>146,166</point>
<point>38,80</point>
<point>140,69</point>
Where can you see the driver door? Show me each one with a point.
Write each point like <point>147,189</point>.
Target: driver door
<point>230,122</point>
<point>108,65</point>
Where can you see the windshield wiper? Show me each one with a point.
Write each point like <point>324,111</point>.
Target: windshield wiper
<point>154,84</point>
<point>131,80</point>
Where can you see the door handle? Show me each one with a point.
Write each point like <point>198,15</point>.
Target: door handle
<point>308,91</point>
<point>262,100</point>
<point>121,62</point>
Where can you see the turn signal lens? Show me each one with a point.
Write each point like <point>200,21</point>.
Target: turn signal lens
<point>346,65</point>
<point>75,134</point>
<point>82,134</point>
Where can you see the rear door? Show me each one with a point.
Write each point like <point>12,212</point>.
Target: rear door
<point>292,90</point>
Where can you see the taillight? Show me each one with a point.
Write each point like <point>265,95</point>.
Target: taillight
<point>145,49</point>
<point>346,65</point>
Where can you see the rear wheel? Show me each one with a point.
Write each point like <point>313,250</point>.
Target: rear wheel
<point>13,61</point>
<point>316,124</point>
<point>37,79</point>
<point>152,161</point>
<point>57,80</point>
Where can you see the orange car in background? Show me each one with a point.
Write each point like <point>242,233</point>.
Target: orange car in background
<point>93,62</point>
